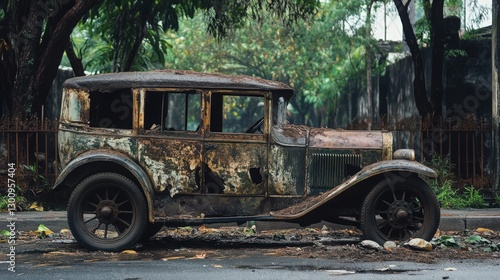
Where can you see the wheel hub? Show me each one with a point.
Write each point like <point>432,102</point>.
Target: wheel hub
<point>107,212</point>
<point>400,214</point>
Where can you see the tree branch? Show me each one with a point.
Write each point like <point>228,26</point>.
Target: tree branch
<point>76,63</point>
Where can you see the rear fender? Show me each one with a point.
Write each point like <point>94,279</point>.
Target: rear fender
<point>110,158</point>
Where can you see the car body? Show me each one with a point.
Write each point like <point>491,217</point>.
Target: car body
<point>145,149</point>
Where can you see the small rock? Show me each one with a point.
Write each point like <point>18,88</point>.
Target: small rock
<point>419,244</point>
<point>389,245</point>
<point>370,244</point>
<point>325,228</point>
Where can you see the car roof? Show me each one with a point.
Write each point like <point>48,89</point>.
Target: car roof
<point>173,79</point>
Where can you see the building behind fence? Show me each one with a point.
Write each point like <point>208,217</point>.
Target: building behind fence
<point>32,146</point>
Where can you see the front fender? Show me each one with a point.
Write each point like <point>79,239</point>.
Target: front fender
<point>110,157</point>
<point>405,168</point>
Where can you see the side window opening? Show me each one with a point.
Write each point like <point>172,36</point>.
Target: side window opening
<point>236,113</point>
<point>111,109</point>
<point>172,111</point>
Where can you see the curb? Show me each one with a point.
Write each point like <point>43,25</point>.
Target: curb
<point>451,220</point>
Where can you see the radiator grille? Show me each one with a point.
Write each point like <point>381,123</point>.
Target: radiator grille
<point>328,169</point>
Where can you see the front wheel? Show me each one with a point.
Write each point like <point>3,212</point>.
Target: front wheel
<point>398,209</point>
<point>107,211</point>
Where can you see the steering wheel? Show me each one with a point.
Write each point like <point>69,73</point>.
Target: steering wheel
<point>257,126</point>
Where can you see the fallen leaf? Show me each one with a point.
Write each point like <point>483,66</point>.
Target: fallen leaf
<point>43,231</point>
<point>4,233</point>
<point>484,230</point>
<point>130,252</point>
<point>173,258</point>
<point>217,265</point>
<point>450,269</point>
<point>199,256</point>
<point>476,239</point>
<point>36,206</point>
<point>339,272</point>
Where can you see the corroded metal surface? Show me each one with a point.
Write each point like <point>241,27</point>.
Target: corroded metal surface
<point>344,139</point>
<point>173,78</point>
<point>205,172</point>
<point>287,170</point>
<point>402,167</point>
<point>241,167</point>
<point>173,165</point>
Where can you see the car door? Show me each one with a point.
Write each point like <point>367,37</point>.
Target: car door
<point>236,147</point>
<point>170,145</point>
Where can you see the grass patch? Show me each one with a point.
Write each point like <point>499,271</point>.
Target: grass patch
<point>449,195</point>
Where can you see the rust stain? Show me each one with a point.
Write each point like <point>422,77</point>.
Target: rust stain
<point>171,164</point>
<point>343,139</point>
<point>233,164</point>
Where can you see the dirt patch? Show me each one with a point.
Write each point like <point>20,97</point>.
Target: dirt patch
<point>236,242</point>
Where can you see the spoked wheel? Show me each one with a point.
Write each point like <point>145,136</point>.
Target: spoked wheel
<point>107,211</point>
<point>399,209</point>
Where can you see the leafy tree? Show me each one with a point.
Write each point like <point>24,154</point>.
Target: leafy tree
<point>35,34</point>
<point>315,57</point>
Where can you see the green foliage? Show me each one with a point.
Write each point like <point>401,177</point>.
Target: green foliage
<point>449,54</point>
<point>446,240</point>
<point>124,35</point>
<point>36,183</point>
<point>20,200</point>
<point>316,57</point>
<point>445,187</point>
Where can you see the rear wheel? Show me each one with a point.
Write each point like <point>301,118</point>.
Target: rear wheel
<point>107,211</point>
<point>399,209</point>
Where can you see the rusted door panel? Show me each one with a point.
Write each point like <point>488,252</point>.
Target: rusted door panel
<point>241,168</point>
<point>173,165</point>
<point>287,167</point>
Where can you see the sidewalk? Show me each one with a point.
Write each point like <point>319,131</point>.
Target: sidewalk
<point>451,220</point>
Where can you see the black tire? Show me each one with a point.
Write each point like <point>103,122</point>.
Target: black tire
<point>398,209</point>
<point>108,212</point>
<point>150,230</point>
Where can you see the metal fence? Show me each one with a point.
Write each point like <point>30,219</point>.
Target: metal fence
<point>32,145</point>
<point>466,141</point>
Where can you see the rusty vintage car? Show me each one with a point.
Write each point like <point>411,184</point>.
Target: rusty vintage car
<point>142,150</point>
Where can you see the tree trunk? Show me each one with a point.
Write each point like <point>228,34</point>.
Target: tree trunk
<point>368,65</point>
<point>437,57</point>
<point>495,48</point>
<point>75,62</point>
<point>52,55</point>
<point>419,91</point>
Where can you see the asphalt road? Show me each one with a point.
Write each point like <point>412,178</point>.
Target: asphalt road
<point>257,267</point>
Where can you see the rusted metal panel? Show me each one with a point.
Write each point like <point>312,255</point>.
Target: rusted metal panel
<point>75,106</point>
<point>286,170</point>
<point>290,135</point>
<point>241,167</point>
<point>401,166</point>
<point>173,165</point>
<point>344,139</point>
<point>73,140</point>
<point>174,78</point>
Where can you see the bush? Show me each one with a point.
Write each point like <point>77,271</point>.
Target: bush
<point>448,195</point>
